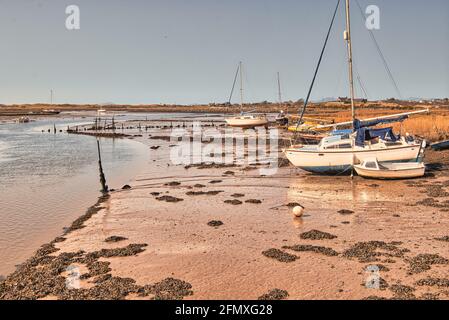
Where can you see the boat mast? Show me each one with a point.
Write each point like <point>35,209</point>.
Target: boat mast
<point>279,92</point>
<point>347,37</point>
<point>241,87</point>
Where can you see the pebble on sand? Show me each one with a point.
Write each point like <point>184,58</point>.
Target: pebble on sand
<point>169,199</point>
<point>279,255</point>
<point>115,239</point>
<point>345,211</point>
<point>316,235</point>
<point>172,184</point>
<point>233,202</point>
<point>215,223</point>
<point>274,294</point>
<point>254,201</point>
<point>237,195</point>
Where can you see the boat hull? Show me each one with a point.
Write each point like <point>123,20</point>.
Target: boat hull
<point>390,174</point>
<point>440,145</point>
<point>331,162</point>
<point>246,123</point>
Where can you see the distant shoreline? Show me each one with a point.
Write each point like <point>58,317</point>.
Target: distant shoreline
<point>223,108</point>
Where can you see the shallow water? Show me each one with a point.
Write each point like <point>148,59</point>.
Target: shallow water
<point>48,180</point>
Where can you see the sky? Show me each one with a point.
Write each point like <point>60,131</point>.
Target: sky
<point>187,51</point>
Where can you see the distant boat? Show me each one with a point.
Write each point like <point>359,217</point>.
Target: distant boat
<point>50,111</point>
<point>101,112</point>
<point>371,168</point>
<point>442,145</point>
<point>23,120</point>
<point>281,117</point>
<point>244,120</point>
<point>247,121</point>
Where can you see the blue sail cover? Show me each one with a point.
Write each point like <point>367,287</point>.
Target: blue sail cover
<point>363,124</point>
<point>365,134</point>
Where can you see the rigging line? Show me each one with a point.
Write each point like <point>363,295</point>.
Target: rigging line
<point>384,60</point>
<point>361,83</point>
<point>362,86</point>
<point>317,68</point>
<point>233,84</point>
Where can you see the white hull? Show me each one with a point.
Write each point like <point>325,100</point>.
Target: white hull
<point>404,173</point>
<point>323,161</point>
<point>247,122</point>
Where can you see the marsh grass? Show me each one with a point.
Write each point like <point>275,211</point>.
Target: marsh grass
<point>433,126</point>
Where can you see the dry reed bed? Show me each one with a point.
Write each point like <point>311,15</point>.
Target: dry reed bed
<point>433,126</point>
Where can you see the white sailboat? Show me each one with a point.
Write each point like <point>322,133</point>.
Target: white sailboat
<point>338,154</point>
<point>281,118</point>
<point>245,120</point>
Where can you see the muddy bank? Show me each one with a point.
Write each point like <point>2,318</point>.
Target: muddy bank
<point>174,230</point>
<point>47,275</point>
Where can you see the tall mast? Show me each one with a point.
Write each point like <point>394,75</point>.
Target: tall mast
<point>347,36</point>
<point>279,91</point>
<point>51,96</point>
<point>241,86</point>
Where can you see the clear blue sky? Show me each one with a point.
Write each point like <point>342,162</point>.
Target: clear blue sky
<point>177,51</point>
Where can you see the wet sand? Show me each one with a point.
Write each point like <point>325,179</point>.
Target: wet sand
<point>191,233</point>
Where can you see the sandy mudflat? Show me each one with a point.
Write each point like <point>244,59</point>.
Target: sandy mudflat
<point>176,237</point>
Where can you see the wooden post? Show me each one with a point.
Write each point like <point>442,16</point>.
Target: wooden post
<point>104,186</point>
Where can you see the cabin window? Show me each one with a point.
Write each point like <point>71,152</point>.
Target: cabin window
<point>340,146</point>
<point>398,143</point>
<point>371,165</point>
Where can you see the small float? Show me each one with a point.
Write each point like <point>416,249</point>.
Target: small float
<point>371,168</point>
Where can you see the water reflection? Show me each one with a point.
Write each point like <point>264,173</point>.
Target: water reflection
<point>47,180</point>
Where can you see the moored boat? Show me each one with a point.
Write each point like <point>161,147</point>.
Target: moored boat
<point>244,120</point>
<point>371,168</point>
<point>337,154</point>
<point>23,119</point>
<point>281,117</point>
<point>247,121</point>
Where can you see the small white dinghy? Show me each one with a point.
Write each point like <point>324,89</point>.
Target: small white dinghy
<point>371,168</point>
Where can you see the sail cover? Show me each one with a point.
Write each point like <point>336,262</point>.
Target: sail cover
<point>365,134</point>
<point>363,124</point>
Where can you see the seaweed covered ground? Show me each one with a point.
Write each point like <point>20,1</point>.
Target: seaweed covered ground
<point>200,232</point>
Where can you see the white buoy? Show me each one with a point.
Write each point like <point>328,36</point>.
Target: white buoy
<point>298,211</point>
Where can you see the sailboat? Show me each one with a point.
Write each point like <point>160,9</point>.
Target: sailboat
<point>245,119</point>
<point>281,118</point>
<point>336,154</point>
